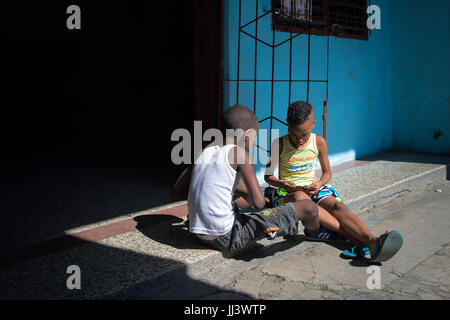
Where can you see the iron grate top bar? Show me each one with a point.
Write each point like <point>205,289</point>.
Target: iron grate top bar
<point>261,80</point>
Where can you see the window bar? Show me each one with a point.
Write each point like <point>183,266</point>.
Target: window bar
<point>256,57</point>
<point>290,50</point>
<point>259,147</point>
<point>281,43</point>
<point>275,118</point>
<point>338,15</point>
<point>253,154</point>
<point>367,17</point>
<point>273,78</point>
<point>325,105</point>
<point>261,121</point>
<point>257,18</point>
<point>309,49</point>
<point>253,37</point>
<point>239,53</point>
<point>280,80</point>
<point>345,18</point>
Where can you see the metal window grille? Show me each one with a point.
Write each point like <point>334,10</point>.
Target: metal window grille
<point>306,31</point>
<point>319,15</point>
<point>301,18</point>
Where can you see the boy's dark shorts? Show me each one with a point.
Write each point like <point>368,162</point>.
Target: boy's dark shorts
<point>250,227</point>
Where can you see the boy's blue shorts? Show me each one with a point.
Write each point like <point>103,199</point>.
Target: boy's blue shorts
<point>326,191</point>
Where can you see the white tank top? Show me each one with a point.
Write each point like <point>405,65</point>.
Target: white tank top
<point>211,192</point>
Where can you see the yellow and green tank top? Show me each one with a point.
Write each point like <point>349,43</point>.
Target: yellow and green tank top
<point>298,166</point>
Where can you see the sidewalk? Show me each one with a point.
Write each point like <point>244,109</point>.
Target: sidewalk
<point>125,256</point>
<point>421,270</point>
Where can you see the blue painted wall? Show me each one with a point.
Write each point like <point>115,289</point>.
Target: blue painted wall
<point>420,75</point>
<point>402,71</point>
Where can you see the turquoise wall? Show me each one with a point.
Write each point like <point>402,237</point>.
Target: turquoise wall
<point>420,75</point>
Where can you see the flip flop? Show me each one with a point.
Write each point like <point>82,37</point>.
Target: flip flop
<point>390,246</point>
<point>356,252</point>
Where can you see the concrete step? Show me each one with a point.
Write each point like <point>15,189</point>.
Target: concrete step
<point>156,250</point>
<point>387,176</point>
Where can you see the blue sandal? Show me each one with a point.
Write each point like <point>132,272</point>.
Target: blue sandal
<point>356,252</point>
<point>390,246</point>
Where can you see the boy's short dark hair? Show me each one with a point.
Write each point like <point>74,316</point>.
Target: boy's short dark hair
<point>299,112</point>
<point>239,117</point>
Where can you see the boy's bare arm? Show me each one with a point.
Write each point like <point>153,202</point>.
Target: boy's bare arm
<point>324,161</point>
<point>289,186</point>
<point>242,192</point>
<point>251,192</point>
<point>254,190</point>
<point>269,175</point>
<point>274,160</point>
<point>180,190</point>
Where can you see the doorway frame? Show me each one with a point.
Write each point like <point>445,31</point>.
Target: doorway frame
<point>208,65</point>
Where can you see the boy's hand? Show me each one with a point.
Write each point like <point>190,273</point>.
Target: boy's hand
<point>313,188</point>
<point>289,186</point>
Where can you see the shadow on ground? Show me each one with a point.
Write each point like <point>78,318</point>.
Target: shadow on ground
<point>42,201</point>
<point>174,232</point>
<point>170,230</point>
<point>106,273</point>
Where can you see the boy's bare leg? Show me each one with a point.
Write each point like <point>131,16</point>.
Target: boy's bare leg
<point>306,210</point>
<point>350,222</point>
<point>308,213</point>
<point>325,218</point>
<point>328,221</point>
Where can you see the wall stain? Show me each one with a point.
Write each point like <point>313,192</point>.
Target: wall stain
<point>369,99</point>
<point>437,133</point>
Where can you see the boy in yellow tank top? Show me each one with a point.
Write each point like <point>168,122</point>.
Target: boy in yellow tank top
<point>296,158</point>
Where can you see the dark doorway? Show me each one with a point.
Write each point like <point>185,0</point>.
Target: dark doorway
<point>115,88</point>
<point>87,115</point>
<point>208,33</point>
